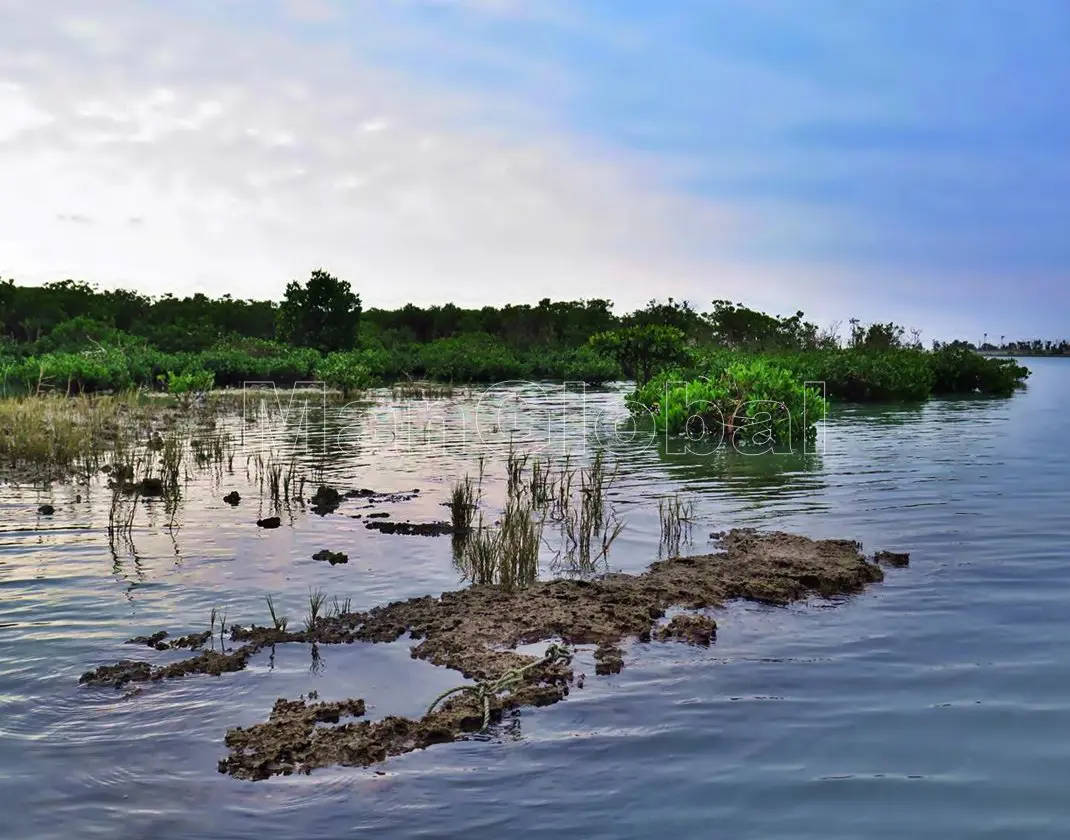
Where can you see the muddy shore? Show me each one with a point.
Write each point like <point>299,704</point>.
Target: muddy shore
<point>474,631</point>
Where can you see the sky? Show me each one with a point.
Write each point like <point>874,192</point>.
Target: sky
<point>881,159</point>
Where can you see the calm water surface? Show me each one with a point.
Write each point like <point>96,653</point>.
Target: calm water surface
<point>935,705</point>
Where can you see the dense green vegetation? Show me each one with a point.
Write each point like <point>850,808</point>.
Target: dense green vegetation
<point>71,338</point>
<point>753,403</point>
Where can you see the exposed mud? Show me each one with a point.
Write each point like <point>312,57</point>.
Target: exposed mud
<point>410,529</point>
<point>475,631</point>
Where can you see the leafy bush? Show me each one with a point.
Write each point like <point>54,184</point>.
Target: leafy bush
<point>957,370</point>
<point>470,358</point>
<point>752,403</point>
<point>344,371</point>
<point>191,382</point>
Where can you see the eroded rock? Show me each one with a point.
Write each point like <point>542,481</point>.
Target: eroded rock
<point>332,557</point>
<point>475,631</point>
<point>325,500</point>
<point>693,629</point>
<point>892,558</point>
<point>417,529</point>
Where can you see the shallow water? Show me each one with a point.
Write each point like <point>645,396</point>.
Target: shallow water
<point>931,706</point>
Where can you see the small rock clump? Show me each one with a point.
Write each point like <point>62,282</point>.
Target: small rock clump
<point>411,529</point>
<point>892,558</point>
<point>232,498</point>
<point>325,500</point>
<point>332,557</point>
<point>698,630</point>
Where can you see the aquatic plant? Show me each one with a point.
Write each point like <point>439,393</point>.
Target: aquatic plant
<point>278,621</point>
<point>462,504</point>
<point>340,607</point>
<point>506,555</point>
<point>676,517</point>
<point>316,601</point>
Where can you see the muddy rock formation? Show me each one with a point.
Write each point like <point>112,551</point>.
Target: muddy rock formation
<point>332,557</point>
<point>892,558</point>
<point>417,529</point>
<point>325,500</point>
<point>475,632</point>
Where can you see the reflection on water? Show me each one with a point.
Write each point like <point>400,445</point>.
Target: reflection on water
<point>924,708</point>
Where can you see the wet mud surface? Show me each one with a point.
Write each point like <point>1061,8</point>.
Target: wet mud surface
<point>475,632</point>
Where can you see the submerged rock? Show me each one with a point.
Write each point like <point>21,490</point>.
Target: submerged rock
<point>694,629</point>
<point>608,659</point>
<point>117,675</point>
<point>156,640</point>
<point>151,487</point>
<point>46,510</point>
<point>332,557</point>
<point>419,529</point>
<point>892,558</point>
<point>325,500</point>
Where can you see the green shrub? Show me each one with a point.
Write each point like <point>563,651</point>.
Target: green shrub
<point>477,357</point>
<point>344,371</point>
<point>191,382</point>
<point>959,370</point>
<point>752,403</point>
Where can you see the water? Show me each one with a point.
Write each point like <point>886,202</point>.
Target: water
<point>933,705</point>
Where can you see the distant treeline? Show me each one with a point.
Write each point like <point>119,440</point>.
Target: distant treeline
<point>71,336</point>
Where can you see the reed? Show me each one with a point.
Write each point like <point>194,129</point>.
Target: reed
<point>316,601</point>
<point>676,516</point>
<point>462,504</point>
<point>278,621</point>
<point>506,556</point>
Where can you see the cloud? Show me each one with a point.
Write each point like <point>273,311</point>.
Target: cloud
<point>485,151</point>
<point>251,159</point>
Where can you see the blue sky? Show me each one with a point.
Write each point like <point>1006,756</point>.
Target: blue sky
<point>886,159</point>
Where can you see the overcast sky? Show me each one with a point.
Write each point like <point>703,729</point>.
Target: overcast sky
<point>889,159</point>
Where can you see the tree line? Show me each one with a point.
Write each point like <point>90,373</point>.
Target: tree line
<point>324,313</point>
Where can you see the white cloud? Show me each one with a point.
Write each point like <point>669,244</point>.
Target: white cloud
<point>181,152</point>
<point>249,159</point>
